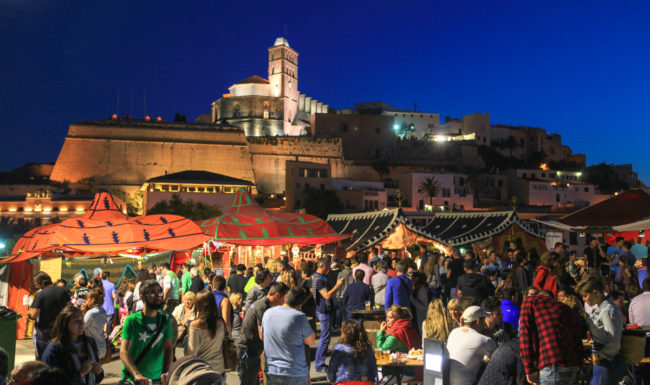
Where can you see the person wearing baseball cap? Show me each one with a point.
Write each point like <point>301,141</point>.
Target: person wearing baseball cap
<point>467,346</point>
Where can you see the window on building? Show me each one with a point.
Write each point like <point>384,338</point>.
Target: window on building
<point>461,181</point>
<point>376,205</point>
<point>322,186</point>
<point>446,192</point>
<point>200,189</point>
<point>543,175</point>
<point>421,205</point>
<point>377,130</point>
<point>345,127</point>
<point>521,142</point>
<point>500,183</point>
<point>484,140</point>
<point>524,175</point>
<point>557,197</point>
<point>297,203</point>
<point>227,189</point>
<point>586,189</point>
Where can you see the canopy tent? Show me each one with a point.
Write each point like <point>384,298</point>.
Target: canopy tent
<point>104,229</point>
<point>627,211</point>
<point>389,228</point>
<point>484,228</point>
<point>247,223</point>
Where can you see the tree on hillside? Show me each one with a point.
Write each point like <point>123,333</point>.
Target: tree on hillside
<point>321,203</point>
<point>381,167</point>
<point>185,208</point>
<point>429,188</point>
<point>180,117</point>
<point>603,176</point>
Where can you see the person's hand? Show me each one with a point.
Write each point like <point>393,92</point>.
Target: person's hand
<point>140,379</point>
<point>97,368</point>
<point>86,367</point>
<point>533,378</point>
<point>164,378</point>
<point>340,282</point>
<point>383,326</point>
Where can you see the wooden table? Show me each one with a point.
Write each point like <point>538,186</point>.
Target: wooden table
<point>400,366</point>
<point>370,315</point>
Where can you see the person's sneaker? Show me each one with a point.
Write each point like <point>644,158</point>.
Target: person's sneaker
<point>322,369</point>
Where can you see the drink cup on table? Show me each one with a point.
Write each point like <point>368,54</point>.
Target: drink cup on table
<point>368,304</point>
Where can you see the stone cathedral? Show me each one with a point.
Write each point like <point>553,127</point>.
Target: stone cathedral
<point>269,107</point>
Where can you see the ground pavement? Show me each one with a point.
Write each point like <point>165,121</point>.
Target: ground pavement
<point>113,370</point>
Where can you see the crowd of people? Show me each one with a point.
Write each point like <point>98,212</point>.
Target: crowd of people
<point>507,317</point>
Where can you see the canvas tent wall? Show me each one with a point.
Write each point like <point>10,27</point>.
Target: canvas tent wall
<point>389,228</point>
<point>484,229</point>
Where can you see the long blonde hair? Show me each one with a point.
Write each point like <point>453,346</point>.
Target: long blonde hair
<point>287,277</point>
<point>439,323</point>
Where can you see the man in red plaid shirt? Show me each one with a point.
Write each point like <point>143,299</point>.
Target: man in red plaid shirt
<point>550,341</point>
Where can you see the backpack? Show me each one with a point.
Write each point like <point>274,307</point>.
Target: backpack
<point>433,280</point>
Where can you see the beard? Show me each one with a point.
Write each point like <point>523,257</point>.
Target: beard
<point>155,305</point>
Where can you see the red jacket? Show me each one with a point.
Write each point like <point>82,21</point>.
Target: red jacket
<point>544,280</point>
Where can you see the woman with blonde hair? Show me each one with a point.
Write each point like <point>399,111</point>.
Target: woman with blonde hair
<point>438,323</point>
<point>288,278</point>
<point>455,310</point>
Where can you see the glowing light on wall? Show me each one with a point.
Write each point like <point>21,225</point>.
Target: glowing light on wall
<point>80,209</point>
<point>64,209</point>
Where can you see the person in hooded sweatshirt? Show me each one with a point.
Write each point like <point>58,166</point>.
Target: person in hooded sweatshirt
<point>473,284</point>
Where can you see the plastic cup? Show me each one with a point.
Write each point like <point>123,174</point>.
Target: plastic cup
<point>368,303</point>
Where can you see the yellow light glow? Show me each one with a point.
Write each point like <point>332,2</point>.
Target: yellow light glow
<point>13,209</point>
<point>63,209</point>
<point>28,209</point>
<point>543,166</point>
<point>47,210</point>
<point>80,209</point>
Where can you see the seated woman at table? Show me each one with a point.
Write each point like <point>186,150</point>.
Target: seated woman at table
<point>353,358</point>
<point>397,334</point>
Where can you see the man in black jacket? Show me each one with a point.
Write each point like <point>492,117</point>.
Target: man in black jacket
<point>473,284</point>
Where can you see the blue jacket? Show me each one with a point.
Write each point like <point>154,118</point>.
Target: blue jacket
<point>510,313</point>
<point>344,367</point>
<point>355,296</point>
<point>399,291</point>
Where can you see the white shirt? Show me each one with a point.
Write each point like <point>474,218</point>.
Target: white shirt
<point>640,309</point>
<point>466,349</point>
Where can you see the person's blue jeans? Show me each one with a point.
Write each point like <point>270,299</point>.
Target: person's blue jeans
<point>274,379</point>
<point>608,372</point>
<point>109,324</point>
<point>324,341</point>
<point>558,375</point>
<point>41,339</point>
<point>249,369</point>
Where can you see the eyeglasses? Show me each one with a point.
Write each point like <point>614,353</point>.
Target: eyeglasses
<point>155,294</point>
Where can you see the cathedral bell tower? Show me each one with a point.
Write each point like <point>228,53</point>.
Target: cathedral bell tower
<point>283,79</point>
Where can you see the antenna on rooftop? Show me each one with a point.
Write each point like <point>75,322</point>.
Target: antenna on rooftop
<point>131,101</point>
<point>117,103</point>
<point>285,30</point>
<point>144,99</point>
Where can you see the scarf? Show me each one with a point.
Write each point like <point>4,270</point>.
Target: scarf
<point>402,329</point>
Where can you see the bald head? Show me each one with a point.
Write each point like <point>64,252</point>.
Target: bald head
<point>24,371</point>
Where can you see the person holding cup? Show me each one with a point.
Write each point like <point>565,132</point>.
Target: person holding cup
<point>356,295</point>
<point>397,334</point>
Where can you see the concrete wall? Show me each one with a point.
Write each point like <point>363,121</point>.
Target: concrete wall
<point>269,156</point>
<point>124,153</point>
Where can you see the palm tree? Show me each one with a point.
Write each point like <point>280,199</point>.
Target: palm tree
<point>429,187</point>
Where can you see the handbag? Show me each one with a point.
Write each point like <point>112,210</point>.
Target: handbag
<point>230,359</point>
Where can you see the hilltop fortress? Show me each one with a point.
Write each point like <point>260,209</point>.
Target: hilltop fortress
<point>252,131</point>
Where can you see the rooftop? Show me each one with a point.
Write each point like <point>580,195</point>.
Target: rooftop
<point>200,177</point>
<point>253,80</point>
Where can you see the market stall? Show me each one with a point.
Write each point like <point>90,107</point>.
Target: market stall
<point>253,232</point>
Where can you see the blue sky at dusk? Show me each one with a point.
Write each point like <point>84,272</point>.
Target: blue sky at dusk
<point>579,68</point>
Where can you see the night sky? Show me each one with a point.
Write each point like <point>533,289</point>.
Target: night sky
<point>580,69</point>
